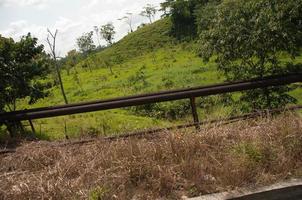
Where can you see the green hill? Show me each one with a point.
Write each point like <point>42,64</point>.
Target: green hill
<point>145,40</point>
<point>140,42</point>
<point>147,60</point>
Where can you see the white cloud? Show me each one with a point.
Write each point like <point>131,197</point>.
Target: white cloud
<point>76,20</point>
<point>10,3</point>
<point>19,28</point>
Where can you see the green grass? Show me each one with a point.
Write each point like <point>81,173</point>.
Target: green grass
<point>138,43</point>
<point>147,60</point>
<point>164,69</point>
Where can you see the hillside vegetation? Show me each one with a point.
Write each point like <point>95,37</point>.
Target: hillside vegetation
<point>147,60</point>
<point>196,43</point>
<point>144,40</point>
<point>161,64</point>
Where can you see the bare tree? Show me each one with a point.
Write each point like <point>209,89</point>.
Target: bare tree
<point>128,20</point>
<point>149,11</point>
<point>51,40</point>
<point>97,33</point>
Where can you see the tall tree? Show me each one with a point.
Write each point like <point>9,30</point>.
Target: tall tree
<point>108,32</point>
<point>183,14</point>
<point>97,34</point>
<point>85,43</point>
<point>128,20</point>
<point>22,65</point>
<point>246,37</point>
<point>149,11</point>
<point>165,7</point>
<point>51,40</point>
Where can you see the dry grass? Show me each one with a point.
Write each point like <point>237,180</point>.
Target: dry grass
<point>174,164</point>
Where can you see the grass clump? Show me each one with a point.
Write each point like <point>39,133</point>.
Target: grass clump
<point>98,193</point>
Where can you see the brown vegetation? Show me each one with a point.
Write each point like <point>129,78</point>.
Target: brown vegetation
<point>168,166</point>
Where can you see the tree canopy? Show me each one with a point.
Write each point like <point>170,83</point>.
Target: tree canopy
<point>185,15</point>
<point>247,37</point>
<point>108,32</point>
<point>149,11</point>
<point>85,43</point>
<point>182,17</point>
<point>22,65</point>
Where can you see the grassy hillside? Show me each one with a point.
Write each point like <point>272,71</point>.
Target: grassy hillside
<point>147,60</point>
<point>144,40</point>
<point>151,61</point>
<point>166,68</point>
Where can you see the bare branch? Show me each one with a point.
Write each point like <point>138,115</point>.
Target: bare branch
<point>52,46</point>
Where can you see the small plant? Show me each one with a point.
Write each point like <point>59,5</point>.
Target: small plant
<point>77,80</point>
<point>108,64</point>
<point>92,131</point>
<point>249,151</point>
<point>98,193</point>
<point>167,83</point>
<point>139,79</point>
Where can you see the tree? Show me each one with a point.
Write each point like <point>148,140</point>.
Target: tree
<point>71,60</point>
<point>184,15</point>
<point>107,32</point>
<point>22,65</point>
<point>165,7</point>
<point>149,11</point>
<point>51,40</point>
<point>97,33</point>
<point>246,37</point>
<point>85,43</point>
<point>128,19</point>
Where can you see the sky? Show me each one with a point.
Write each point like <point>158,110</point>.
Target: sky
<point>72,18</point>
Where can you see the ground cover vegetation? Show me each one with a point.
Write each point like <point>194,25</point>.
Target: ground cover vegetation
<point>169,165</point>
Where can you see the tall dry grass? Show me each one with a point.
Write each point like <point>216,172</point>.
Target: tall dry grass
<point>169,166</point>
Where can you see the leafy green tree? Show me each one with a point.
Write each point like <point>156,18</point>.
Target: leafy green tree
<point>149,11</point>
<point>22,65</point>
<point>246,38</point>
<point>184,15</point>
<point>165,8</point>
<point>108,32</point>
<point>71,60</point>
<point>85,43</point>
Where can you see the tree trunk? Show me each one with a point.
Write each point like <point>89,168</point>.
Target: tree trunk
<point>14,128</point>
<point>61,83</point>
<point>52,46</point>
<point>111,70</point>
